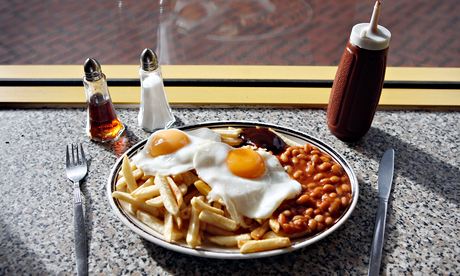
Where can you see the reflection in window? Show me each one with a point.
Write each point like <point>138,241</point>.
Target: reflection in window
<point>238,32</point>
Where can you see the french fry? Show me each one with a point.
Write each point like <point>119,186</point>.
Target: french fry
<point>183,188</point>
<point>228,132</point>
<point>121,183</point>
<point>185,213</point>
<point>274,225</point>
<point>155,202</point>
<point>147,192</point>
<point>270,235</point>
<point>240,243</point>
<point>167,195</point>
<point>176,191</point>
<point>263,245</point>
<point>232,141</point>
<point>257,233</point>
<point>168,227</point>
<point>179,222</point>
<point>145,177</point>
<point>189,178</point>
<point>137,203</point>
<point>132,209</point>
<point>188,197</point>
<point>128,174</point>
<point>193,237</point>
<point>148,182</point>
<point>211,229</point>
<point>178,178</point>
<point>217,204</point>
<point>201,205</point>
<point>133,168</point>
<point>151,221</point>
<point>177,235</point>
<point>202,187</point>
<point>218,220</point>
<point>288,141</point>
<point>158,225</point>
<point>250,223</point>
<point>202,231</point>
<point>229,241</point>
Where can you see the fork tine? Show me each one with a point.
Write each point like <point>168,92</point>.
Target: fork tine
<point>67,156</point>
<point>73,154</point>
<point>77,154</point>
<point>83,157</point>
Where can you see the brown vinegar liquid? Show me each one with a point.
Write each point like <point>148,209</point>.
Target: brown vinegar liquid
<point>104,124</point>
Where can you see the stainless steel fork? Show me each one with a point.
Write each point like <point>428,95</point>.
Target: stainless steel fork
<point>76,170</point>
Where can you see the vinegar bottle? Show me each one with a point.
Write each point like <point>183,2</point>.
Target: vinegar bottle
<point>103,124</point>
<point>359,80</point>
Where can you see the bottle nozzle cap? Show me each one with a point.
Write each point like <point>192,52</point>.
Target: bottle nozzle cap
<point>363,38</point>
<point>92,69</point>
<point>149,60</point>
<point>371,36</point>
<point>373,24</point>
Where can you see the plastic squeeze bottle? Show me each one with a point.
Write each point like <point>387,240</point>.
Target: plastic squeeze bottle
<point>359,80</point>
<point>155,112</point>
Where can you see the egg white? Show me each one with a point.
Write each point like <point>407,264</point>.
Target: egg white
<point>176,162</point>
<point>253,198</point>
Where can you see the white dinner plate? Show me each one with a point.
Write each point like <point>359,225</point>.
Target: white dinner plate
<point>209,250</point>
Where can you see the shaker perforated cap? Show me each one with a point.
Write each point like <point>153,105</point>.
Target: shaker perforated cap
<point>92,70</point>
<point>149,60</point>
<point>365,39</point>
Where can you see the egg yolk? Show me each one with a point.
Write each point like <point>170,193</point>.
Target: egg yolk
<point>246,163</point>
<point>167,141</point>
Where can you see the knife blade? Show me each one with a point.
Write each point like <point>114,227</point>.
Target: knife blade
<point>386,169</point>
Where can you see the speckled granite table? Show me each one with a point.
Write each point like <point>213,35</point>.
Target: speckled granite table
<point>36,230</point>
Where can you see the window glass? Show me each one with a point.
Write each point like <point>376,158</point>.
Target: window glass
<point>230,32</point>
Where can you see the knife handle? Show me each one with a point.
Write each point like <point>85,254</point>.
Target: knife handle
<point>377,241</point>
<point>81,246</point>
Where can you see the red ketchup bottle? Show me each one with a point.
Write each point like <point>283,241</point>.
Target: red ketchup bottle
<point>359,80</point>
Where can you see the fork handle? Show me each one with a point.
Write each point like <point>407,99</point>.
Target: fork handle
<point>81,246</point>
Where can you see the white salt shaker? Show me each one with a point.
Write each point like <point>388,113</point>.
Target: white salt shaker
<point>155,112</point>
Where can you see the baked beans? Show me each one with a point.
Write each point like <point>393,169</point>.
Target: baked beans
<point>326,191</point>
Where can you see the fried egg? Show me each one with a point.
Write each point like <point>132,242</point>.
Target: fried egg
<point>251,183</point>
<point>171,151</point>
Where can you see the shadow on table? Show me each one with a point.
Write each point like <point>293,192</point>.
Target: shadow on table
<point>16,258</point>
<point>178,122</point>
<point>413,163</point>
<point>126,141</point>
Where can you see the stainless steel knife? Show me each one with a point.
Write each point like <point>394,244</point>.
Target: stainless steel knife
<point>385,179</point>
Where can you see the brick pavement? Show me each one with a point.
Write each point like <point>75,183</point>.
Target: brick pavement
<point>278,32</point>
